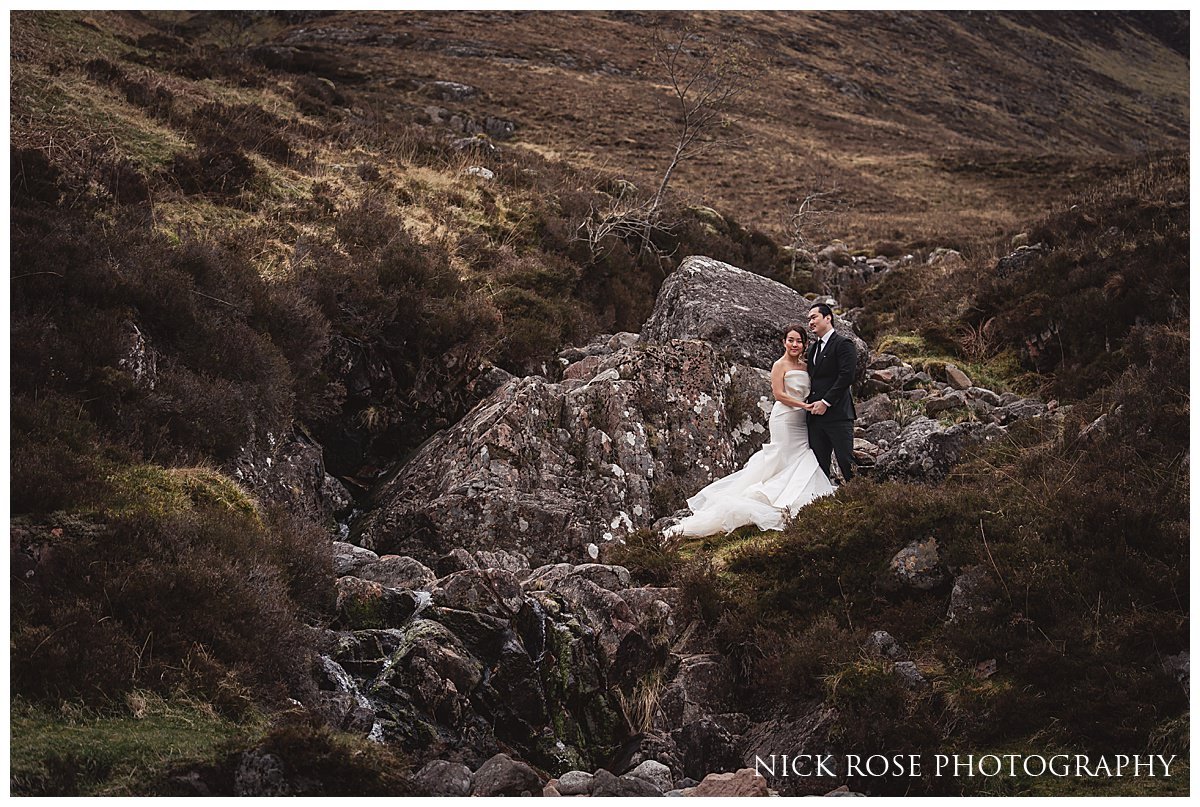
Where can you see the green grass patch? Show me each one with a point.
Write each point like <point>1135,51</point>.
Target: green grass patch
<point>65,752</point>
<point>1000,373</point>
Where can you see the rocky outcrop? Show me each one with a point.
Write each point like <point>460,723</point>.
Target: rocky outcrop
<point>291,472</point>
<point>558,470</point>
<point>739,313</point>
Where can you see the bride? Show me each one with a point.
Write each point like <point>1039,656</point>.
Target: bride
<point>778,480</point>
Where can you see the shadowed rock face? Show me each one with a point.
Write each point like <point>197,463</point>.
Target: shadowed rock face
<point>558,470</point>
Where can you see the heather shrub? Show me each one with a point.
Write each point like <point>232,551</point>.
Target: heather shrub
<point>174,580</point>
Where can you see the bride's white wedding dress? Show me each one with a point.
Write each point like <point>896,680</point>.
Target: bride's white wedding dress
<point>778,480</point>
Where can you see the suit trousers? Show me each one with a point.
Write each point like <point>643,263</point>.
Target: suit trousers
<point>834,437</point>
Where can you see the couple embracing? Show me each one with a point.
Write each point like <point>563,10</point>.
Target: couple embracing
<point>813,418</point>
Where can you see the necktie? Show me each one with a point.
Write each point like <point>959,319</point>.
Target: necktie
<point>817,355</point>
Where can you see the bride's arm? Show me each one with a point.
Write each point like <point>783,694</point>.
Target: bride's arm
<point>780,390</point>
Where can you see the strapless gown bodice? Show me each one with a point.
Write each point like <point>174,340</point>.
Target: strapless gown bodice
<point>778,480</point>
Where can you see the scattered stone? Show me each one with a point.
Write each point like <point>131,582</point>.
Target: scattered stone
<point>575,783</point>
<point>1179,665</point>
<point>443,778</point>
<point>261,774</point>
<point>883,645</point>
<point>1021,409</point>
<point>481,172</point>
<point>875,410</point>
<point>918,565</point>
<point>745,782</point>
<point>957,378</point>
<point>656,773</point>
<point>503,776</point>
<point>836,253</point>
<point>974,592</point>
<point>910,675</point>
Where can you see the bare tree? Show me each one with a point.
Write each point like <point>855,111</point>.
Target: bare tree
<point>808,222</point>
<point>705,80</point>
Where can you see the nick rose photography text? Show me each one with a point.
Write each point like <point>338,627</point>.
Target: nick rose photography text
<point>985,765</point>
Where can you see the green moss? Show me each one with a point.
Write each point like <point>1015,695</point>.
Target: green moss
<point>55,752</point>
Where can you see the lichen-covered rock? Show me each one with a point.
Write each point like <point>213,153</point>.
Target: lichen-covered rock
<point>656,773</point>
<point>926,449</point>
<point>398,571</point>
<point>918,565</point>
<point>974,592</point>
<point>556,471</point>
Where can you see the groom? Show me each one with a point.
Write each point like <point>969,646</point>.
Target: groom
<point>832,359</point>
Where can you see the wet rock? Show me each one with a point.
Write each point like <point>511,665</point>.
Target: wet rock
<point>443,778</point>
<point>503,776</point>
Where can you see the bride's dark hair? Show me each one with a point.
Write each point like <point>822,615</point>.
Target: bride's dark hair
<point>798,328</point>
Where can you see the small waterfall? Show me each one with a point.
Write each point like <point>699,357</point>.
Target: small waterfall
<point>344,683</point>
<point>343,526</point>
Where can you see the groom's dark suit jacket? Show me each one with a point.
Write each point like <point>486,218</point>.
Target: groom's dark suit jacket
<point>832,376</point>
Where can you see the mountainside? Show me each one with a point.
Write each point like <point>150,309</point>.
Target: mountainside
<point>292,288</point>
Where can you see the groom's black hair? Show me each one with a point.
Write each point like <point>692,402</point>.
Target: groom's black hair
<point>826,311</point>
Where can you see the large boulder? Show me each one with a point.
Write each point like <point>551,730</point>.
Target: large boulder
<point>557,471</point>
<point>738,312</point>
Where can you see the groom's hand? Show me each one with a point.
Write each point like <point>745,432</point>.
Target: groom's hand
<point>819,408</point>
